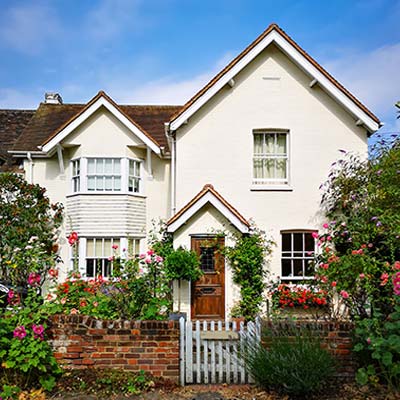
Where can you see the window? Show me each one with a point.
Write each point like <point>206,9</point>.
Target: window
<point>297,255</point>
<point>104,174</point>
<point>270,159</point>
<point>134,176</point>
<point>76,176</point>
<point>98,256</point>
<point>133,247</point>
<point>207,259</point>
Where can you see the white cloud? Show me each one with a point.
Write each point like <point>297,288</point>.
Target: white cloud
<point>11,98</point>
<point>373,77</point>
<point>167,90</point>
<point>110,18</point>
<point>29,27</point>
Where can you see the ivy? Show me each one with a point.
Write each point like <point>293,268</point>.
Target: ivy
<point>247,261</point>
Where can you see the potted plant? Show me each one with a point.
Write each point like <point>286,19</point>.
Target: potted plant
<point>182,265</point>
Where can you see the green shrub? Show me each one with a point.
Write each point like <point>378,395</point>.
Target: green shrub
<point>291,362</point>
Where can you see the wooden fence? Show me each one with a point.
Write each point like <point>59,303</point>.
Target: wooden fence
<point>209,351</point>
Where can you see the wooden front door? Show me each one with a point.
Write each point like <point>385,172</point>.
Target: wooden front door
<point>208,293</point>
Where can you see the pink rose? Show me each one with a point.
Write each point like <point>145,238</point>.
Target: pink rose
<point>326,226</point>
<point>369,340</point>
<point>150,252</point>
<point>115,246</point>
<point>159,259</point>
<point>333,284</point>
<point>344,294</point>
<point>19,332</point>
<point>362,276</point>
<point>147,260</point>
<point>33,279</point>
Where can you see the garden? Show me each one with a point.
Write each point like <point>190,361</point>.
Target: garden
<point>357,279</point>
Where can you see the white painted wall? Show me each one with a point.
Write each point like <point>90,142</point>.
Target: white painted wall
<point>216,146</point>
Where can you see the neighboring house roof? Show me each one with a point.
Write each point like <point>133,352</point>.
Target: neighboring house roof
<point>12,123</point>
<point>50,120</point>
<point>208,195</point>
<point>275,34</point>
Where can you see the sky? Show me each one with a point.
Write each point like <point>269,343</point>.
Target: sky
<point>163,51</point>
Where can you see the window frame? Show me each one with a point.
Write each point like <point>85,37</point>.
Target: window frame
<point>124,176</point>
<point>271,183</point>
<point>304,256</point>
<point>122,251</point>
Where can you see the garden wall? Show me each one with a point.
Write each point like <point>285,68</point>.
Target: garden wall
<point>83,342</point>
<point>335,337</point>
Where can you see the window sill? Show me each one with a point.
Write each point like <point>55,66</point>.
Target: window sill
<point>271,188</point>
<point>106,193</point>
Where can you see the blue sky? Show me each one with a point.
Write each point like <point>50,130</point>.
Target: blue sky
<point>163,51</point>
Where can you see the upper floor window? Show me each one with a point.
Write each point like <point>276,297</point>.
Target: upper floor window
<point>297,255</point>
<point>76,175</point>
<point>270,158</point>
<point>106,175</point>
<point>134,176</point>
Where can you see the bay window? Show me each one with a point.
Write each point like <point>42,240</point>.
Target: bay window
<point>106,175</point>
<point>96,254</point>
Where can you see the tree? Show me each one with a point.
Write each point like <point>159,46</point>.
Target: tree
<point>28,230</point>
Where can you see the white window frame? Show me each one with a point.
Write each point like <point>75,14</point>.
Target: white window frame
<point>76,177</point>
<point>136,178</point>
<point>271,183</point>
<point>104,176</point>
<point>122,242</point>
<point>124,174</point>
<point>289,255</point>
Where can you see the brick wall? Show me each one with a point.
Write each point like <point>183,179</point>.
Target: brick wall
<point>335,337</point>
<point>84,342</point>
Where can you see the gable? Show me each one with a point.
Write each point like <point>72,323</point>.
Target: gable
<point>317,75</point>
<point>101,134</point>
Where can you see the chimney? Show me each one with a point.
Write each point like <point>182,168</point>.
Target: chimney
<point>53,98</point>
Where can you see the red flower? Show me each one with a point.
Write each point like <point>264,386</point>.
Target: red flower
<point>72,238</point>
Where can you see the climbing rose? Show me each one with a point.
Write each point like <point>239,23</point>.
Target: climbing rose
<point>344,294</point>
<point>38,331</point>
<point>33,279</point>
<point>19,332</point>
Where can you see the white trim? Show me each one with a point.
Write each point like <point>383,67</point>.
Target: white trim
<point>208,198</point>
<point>86,114</point>
<point>300,60</point>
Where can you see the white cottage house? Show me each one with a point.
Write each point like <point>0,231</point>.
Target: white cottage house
<point>253,144</point>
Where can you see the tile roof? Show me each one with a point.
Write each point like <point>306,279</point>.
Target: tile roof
<point>271,28</point>
<point>12,123</point>
<point>49,119</point>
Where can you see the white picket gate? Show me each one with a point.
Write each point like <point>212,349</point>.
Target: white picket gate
<point>209,351</point>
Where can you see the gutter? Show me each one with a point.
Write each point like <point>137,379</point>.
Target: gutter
<point>172,143</point>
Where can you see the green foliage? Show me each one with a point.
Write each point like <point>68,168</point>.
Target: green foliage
<point>360,258</point>
<point>28,224</point>
<point>291,362</point>
<point>247,260</point>
<point>139,290</point>
<point>182,264</point>
<point>378,345</point>
<point>106,382</point>
<point>25,356</point>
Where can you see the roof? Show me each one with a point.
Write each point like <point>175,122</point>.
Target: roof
<point>246,56</point>
<point>12,123</point>
<point>208,195</point>
<point>50,119</point>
